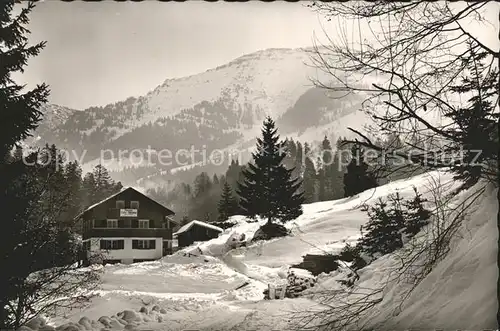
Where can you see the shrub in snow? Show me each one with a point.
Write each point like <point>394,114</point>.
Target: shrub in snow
<point>269,231</point>
<point>383,228</point>
<point>352,254</point>
<point>392,223</point>
<point>317,264</point>
<point>416,216</point>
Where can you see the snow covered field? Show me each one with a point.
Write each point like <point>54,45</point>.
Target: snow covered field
<point>202,292</point>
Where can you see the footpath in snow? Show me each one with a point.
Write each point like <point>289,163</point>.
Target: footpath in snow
<point>202,290</point>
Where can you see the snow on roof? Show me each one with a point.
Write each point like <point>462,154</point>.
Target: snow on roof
<point>188,226</point>
<point>114,195</point>
<point>104,200</point>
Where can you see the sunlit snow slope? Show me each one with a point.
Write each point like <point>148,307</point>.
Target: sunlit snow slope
<point>180,292</point>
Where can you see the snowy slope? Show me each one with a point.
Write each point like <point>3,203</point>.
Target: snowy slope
<point>270,79</point>
<point>201,292</point>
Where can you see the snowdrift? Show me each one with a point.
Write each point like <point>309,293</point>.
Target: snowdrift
<point>215,286</point>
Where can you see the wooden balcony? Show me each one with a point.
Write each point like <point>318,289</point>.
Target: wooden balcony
<point>127,232</point>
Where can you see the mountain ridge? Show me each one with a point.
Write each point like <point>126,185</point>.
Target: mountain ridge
<point>221,107</point>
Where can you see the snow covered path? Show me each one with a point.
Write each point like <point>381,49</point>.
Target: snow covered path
<point>200,293</point>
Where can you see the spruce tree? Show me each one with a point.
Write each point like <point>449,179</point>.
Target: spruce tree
<point>416,215</point>
<point>98,185</point>
<point>299,159</point>
<point>268,189</point>
<point>20,113</point>
<point>476,123</point>
<point>382,233</point>
<point>309,181</point>
<point>227,205</point>
<point>357,178</point>
<point>30,241</point>
<point>73,178</point>
<point>325,187</point>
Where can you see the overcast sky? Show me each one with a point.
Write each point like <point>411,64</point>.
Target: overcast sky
<point>104,52</point>
<point>99,53</point>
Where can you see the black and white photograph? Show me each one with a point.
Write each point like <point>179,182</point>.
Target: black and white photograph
<point>249,165</point>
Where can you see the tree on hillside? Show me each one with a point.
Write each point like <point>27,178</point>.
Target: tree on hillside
<point>98,185</point>
<point>405,102</point>
<point>410,60</point>
<point>416,215</point>
<point>227,205</point>
<point>268,189</point>
<point>20,111</point>
<point>73,178</point>
<point>205,198</point>
<point>357,178</point>
<point>299,160</point>
<point>34,279</point>
<point>310,181</point>
<point>330,173</point>
<point>326,159</point>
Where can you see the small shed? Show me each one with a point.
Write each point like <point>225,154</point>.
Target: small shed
<point>196,231</point>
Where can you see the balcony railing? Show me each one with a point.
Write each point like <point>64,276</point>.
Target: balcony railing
<point>127,232</point>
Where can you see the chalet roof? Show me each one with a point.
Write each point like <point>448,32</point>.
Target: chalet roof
<point>188,226</point>
<point>118,193</point>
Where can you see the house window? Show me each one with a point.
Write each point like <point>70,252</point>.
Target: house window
<point>112,224</point>
<point>143,224</point>
<point>134,204</point>
<point>168,220</point>
<point>120,204</point>
<point>144,244</point>
<point>112,244</point>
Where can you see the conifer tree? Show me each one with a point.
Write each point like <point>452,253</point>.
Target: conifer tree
<point>384,229</point>
<point>98,185</point>
<point>476,123</point>
<point>30,240</point>
<point>310,181</point>
<point>20,113</point>
<point>324,175</point>
<point>416,215</point>
<point>73,178</point>
<point>357,178</point>
<point>268,189</point>
<point>227,205</point>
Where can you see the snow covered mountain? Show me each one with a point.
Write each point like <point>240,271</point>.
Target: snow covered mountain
<point>53,116</point>
<point>218,109</point>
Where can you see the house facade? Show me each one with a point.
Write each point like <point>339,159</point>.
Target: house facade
<point>196,231</point>
<point>126,227</point>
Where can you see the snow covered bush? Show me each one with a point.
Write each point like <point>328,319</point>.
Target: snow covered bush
<point>269,231</point>
<point>392,223</point>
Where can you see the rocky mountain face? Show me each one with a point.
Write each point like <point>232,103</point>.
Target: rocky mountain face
<point>220,109</point>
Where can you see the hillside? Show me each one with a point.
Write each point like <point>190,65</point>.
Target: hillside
<point>220,109</point>
<point>201,292</point>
